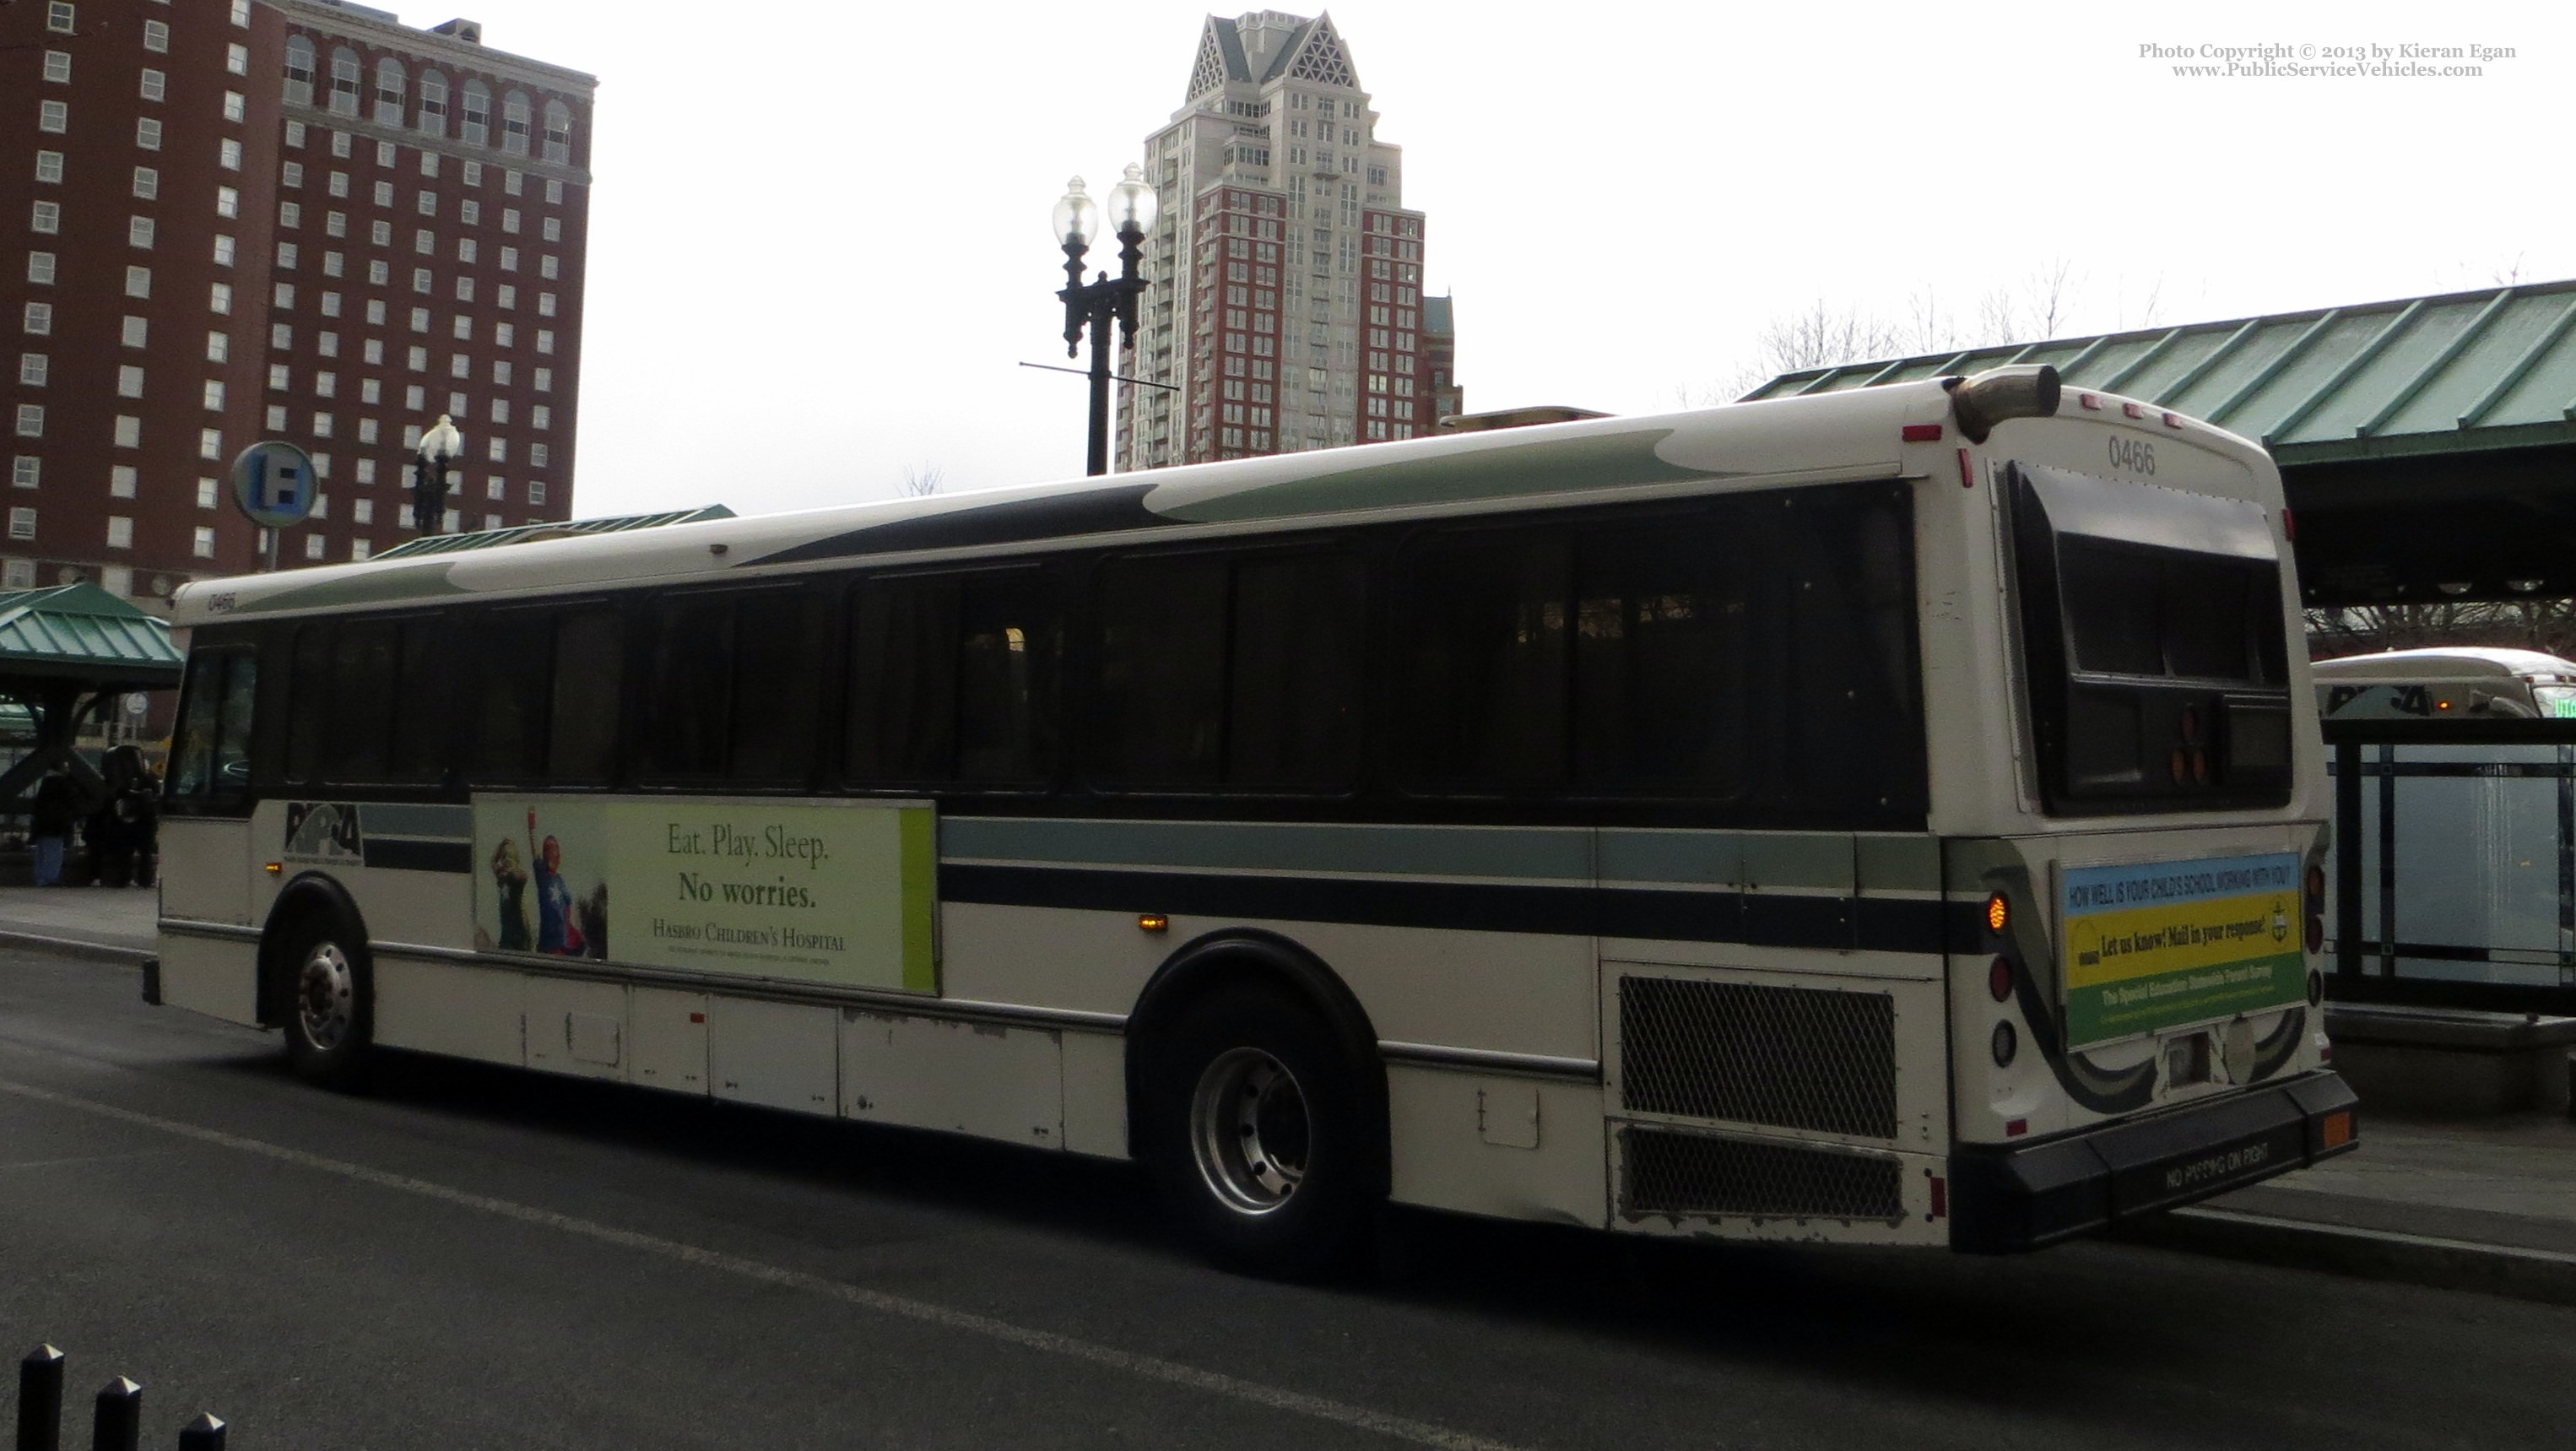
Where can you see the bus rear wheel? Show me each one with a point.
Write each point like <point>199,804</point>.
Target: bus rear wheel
<point>329,1003</point>
<point>1260,1138</point>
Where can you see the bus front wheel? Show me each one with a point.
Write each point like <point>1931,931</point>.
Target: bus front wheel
<point>329,1000</point>
<point>1261,1141</point>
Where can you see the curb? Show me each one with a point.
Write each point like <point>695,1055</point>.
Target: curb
<point>76,947</point>
<point>2410,1259</point>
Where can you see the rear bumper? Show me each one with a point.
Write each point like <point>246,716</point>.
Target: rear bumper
<point>2004,1199</point>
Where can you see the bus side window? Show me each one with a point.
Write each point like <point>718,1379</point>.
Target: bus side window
<point>1158,705</point>
<point>589,667</point>
<point>684,730</point>
<point>1662,652</point>
<point>210,756</point>
<point>308,700</point>
<point>422,723</point>
<point>1482,662</point>
<point>953,678</point>
<point>358,744</point>
<point>511,656</point>
<point>1293,707</point>
<point>230,774</point>
<point>775,686</point>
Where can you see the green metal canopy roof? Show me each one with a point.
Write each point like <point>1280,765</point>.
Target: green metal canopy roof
<point>2468,371</point>
<point>81,630</point>
<point>487,538</point>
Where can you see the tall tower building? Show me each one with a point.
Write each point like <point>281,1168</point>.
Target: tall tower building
<point>1285,306</point>
<point>236,220</point>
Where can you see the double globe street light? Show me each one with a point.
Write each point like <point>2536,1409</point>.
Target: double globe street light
<point>1094,305</point>
<point>429,474</point>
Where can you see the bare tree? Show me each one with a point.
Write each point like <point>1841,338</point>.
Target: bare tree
<point>2546,625</point>
<point>920,481</point>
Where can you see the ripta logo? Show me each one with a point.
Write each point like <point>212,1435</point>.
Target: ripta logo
<point>322,831</point>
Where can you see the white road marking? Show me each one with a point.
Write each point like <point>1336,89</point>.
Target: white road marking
<point>1148,1367</point>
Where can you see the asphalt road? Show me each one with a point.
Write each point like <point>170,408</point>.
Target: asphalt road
<point>473,1257</point>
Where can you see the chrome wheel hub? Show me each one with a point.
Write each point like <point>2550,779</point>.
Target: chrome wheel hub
<point>1249,1130</point>
<point>325,995</point>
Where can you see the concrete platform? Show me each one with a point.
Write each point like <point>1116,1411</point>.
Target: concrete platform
<point>2451,1062</point>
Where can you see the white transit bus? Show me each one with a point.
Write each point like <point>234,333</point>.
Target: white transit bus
<point>2451,682</point>
<point>1892,816</point>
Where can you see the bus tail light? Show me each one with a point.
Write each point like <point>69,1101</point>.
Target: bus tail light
<point>1999,979</point>
<point>1998,913</point>
<point>1922,433</point>
<point>2313,906</point>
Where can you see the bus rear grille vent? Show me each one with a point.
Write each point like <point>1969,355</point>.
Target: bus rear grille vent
<point>1691,1174</point>
<point>1795,1058</point>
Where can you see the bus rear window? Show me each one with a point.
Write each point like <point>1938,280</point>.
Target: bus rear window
<point>2155,646</point>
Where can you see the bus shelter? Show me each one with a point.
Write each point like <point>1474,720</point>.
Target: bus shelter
<point>2427,445</point>
<point>67,655</point>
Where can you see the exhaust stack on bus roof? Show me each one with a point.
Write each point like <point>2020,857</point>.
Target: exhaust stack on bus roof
<point>1981,402</point>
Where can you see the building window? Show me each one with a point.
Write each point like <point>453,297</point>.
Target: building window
<point>280,378</point>
<point>554,229</point>
<point>129,429</point>
<point>58,67</point>
<point>470,212</point>
<point>515,118</point>
<point>219,298</point>
<point>214,396</point>
<point>147,133</point>
<point>228,154</point>
<point>313,546</point>
<point>338,184</point>
<point>465,289</point>
<point>335,224</point>
<point>120,532</point>
<point>390,84</point>
<point>61,18</point>
<point>138,231</point>
<point>549,266</point>
<point>497,450</point>
<point>466,251</point>
<point>554,192</point>
<point>344,82</point>
<point>510,183</point>
<point>236,106</point>
<point>384,193</point>
<point>433,108</point>
<point>32,368</point>
<point>121,480</point>
<point>321,425</point>
<point>31,420</point>
<point>419,360</point>
<point>545,304</point>
<point>545,382</point>
<point>290,214</point>
<point>545,340</point>
<point>326,385</point>
<point>415,400</point>
<point>536,455</point>
<point>210,443</point>
<point>276,418</point>
<point>420,280</point>
<point>426,204</point>
<point>504,335</point>
<point>54,116</point>
<point>156,85</point>
<point>38,318</point>
<point>460,366</point>
<point>219,347</point>
<point>424,241</point>
<point>228,201</point>
<point>379,274</point>
<point>156,35</point>
<point>541,416</point>
<point>22,523</point>
<point>558,134</point>
<point>208,492</point>
<point>205,543</point>
<point>25,471</point>
<point>49,167</point>
<point>509,259</point>
<point>536,491</point>
<point>282,295</point>
<point>224,250</point>
<point>138,282</point>
<point>476,114</point>
<point>330,304</point>
<point>505,296</point>
<point>47,219</point>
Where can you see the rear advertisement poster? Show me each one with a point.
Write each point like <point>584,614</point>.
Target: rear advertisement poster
<point>838,893</point>
<point>2167,943</point>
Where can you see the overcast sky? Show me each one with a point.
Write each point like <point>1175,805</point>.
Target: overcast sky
<point>819,244</point>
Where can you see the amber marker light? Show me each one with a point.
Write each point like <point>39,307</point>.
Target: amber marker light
<point>2337,1130</point>
<point>276,867</point>
<point>1153,922</point>
<point>1998,913</point>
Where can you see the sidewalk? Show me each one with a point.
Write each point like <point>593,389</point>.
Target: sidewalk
<point>2485,1205</point>
<point>113,923</point>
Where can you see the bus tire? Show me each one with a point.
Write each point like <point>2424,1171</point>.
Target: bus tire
<point>1259,1134</point>
<point>327,993</point>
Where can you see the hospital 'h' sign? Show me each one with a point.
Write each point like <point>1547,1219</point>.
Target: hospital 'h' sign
<point>273,483</point>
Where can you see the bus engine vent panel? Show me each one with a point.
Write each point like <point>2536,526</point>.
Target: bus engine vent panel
<point>1787,1057</point>
<point>1702,1176</point>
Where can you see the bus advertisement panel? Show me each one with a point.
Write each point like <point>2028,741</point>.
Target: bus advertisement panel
<point>2169,943</point>
<point>835,893</point>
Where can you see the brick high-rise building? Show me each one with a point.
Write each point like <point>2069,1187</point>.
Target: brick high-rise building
<point>296,219</point>
<point>1286,273</point>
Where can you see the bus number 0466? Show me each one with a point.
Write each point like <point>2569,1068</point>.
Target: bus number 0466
<point>2137,455</point>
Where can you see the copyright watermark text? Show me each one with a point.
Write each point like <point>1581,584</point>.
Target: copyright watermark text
<point>2399,60</point>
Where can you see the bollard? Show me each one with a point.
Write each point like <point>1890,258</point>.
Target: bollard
<point>119,1426</point>
<point>206,1433</point>
<point>40,1400</point>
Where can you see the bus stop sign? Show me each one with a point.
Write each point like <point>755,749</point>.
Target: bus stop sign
<point>273,483</point>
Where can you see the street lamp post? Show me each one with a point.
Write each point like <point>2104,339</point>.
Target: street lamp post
<point>429,474</point>
<point>1096,304</point>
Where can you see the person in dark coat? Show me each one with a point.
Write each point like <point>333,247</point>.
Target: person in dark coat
<point>49,822</point>
<point>123,831</point>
